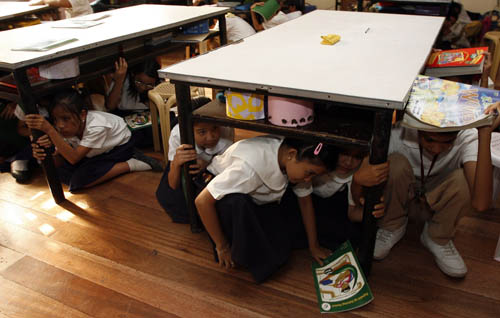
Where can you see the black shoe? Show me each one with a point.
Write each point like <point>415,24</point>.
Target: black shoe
<point>155,164</point>
<point>21,176</point>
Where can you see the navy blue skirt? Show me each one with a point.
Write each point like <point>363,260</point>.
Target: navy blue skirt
<point>89,170</point>
<point>332,222</point>
<point>258,234</point>
<point>172,201</point>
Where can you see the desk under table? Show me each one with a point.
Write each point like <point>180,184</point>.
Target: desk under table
<point>361,80</point>
<point>136,33</point>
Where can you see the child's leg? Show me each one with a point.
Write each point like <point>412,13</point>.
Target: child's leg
<point>396,195</point>
<point>450,201</point>
<point>172,201</point>
<point>118,169</point>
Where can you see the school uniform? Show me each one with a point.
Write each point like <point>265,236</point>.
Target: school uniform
<point>78,8</point>
<point>173,201</point>
<point>110,141</point>
<point>331,196</point>
<point>129,105</point>
<point>447,191</point>
<point>250,190</point>
<point>279,18</point>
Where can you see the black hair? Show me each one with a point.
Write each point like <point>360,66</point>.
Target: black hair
<point>317,154</point>
<point>454,10</point>
<point>199,101</point>
<point>71,101</point>
<point>149,67</point>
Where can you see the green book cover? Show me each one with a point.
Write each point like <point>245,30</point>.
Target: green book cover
<point>138,120</point>
<point>340,282</point>
<point>268,9</point>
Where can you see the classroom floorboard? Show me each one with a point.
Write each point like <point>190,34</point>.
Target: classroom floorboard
<point>111,251</point>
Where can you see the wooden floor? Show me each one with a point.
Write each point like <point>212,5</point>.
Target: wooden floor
<point>113,252</point>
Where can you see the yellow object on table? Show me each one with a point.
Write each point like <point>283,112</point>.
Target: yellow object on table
<point>330,39</point>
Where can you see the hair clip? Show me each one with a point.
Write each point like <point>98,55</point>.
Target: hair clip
<point>318,149</point>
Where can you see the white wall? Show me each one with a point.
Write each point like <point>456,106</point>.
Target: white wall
<point>480,6</point>
<point>322,4</point>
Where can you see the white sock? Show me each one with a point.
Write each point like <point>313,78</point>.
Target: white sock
<point>19,165</point>
<point>137,165</point>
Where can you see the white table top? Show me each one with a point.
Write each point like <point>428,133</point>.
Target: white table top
<point>122,24</point>
<point>11,9</point>
<point>376,68</point>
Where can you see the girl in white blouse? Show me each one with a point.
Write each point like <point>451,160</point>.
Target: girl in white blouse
<point>329,213</point>
<point>244,207</point>
<point>96,146</point>
<point>210,140</point>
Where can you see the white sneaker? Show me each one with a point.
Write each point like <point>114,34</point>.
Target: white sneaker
<point>447,257</point>
<point>386,240</point>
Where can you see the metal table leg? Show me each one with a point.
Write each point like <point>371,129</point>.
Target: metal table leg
<point>378,154</point>
<point>29,106</point>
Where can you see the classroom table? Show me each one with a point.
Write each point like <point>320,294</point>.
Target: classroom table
<point>137,33</point>
<point>15,9</point>
<point>357,83</point>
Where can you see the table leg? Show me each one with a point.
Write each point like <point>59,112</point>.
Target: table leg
<point>222,30</point>
<point>29,106</point>
<point>378,154</point>
<point>183,96</point>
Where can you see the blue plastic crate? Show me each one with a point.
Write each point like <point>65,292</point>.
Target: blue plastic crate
<point>199,28</point>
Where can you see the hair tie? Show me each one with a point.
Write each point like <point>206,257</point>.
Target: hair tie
<point>318,149</point>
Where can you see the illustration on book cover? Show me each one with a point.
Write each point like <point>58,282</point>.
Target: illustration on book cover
<point>340,283</point>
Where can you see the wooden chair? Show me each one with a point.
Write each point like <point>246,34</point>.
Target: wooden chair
<point>161,101</point>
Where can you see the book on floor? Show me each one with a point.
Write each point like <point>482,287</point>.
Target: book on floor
<point>465,61</point>
<point>440,105</point>
<point>340,282</point>
<point>138,120</point>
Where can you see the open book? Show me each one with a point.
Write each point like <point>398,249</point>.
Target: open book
<point>75,24</point>
<point>267,10</point>
<point>465,61</point>
<point>138,120</point>
<point>340,282</point>
<point>440,105</point>
<point>45,45</point>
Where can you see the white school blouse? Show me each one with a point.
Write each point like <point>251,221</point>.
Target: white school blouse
<point>78,8</point>
<point>325,186</point>
<point>226,140</point>
<point>128,102</point>
<point>103,131</point>
<point>464,149</point>
<point>249,166</point>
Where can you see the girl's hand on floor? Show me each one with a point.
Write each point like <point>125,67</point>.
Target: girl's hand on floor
<point>36,121</point>
<point>224,255</point>
<point>319,253</point>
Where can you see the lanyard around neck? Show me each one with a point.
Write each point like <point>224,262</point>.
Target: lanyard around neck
<point>423,177</point>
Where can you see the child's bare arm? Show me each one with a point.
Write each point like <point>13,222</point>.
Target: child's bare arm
<point>255,22</point>
<point>183,154</point>
<point>309,220</point>
<point>114,97</point>
<point>205,204</point>
<point>486,69</point>
<point>479,174</point>
<point>35,121</point>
